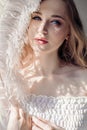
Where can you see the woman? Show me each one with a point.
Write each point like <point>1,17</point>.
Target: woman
<point>43,72</point>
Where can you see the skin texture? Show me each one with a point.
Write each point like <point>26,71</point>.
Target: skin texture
<point>45,24</point>
<point>51,23</point>
<point>55,29</point>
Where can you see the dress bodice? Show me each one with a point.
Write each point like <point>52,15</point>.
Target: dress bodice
<point>67,112</point>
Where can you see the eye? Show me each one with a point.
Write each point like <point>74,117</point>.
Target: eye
<point>36,18</point>
<point>56,22</point>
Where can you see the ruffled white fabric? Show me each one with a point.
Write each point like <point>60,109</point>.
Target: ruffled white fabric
<point>67,112</point>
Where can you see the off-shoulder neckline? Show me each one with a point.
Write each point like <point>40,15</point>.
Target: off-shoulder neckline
<point>57,97</point>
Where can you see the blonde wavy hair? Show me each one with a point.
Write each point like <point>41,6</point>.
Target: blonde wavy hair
<point>75,52</point>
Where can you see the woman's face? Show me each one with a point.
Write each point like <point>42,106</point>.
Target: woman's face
<point>48,26</point>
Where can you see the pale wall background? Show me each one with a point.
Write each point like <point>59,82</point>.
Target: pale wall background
<point>81,5</point>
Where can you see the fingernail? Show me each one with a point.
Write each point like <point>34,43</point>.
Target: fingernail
<point>34,118</point>
<point>21,112</point>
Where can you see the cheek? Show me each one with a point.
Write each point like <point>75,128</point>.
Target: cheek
<point>32,30</point>
<point>53,32</point>
<point>60,33</point>
<point>32,27</point>
<point>57,34</point>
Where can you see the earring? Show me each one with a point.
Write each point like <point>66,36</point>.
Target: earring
<point>67,37</point>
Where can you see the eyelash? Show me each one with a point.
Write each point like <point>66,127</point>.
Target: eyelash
<point>56,22</point>
<point>38,18</point>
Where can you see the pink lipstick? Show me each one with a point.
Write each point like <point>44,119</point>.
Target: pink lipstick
<point>41,40</point>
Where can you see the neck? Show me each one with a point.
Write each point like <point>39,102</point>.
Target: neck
<point>46,64</point>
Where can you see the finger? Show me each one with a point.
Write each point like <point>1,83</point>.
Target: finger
<point>52,126</point>
<point>45,121</point>
<point>34,127</point>
<point>22,119</point>
<point>14,113</point>
<point>41,124</point>
<point>29,122</point>
<point>46,125</point>
<point>13,119</point>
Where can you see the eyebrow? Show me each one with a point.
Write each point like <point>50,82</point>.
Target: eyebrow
<point>57,16</point>
<point>37,12</point>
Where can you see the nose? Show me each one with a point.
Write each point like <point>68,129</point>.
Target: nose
<point>43,27</point>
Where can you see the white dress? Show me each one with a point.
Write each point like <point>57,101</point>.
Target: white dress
<point>67,112</point>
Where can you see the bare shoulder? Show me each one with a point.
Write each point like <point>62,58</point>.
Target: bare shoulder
<point>77,80</point>
<point>81,72</point>
<point>72,71</point>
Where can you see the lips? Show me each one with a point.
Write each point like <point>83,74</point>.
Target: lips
<point>41,40</point>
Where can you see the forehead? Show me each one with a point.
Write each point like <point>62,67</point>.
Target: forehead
<point>53,6</point>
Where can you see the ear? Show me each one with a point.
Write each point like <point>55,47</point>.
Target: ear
<point>67,37</point>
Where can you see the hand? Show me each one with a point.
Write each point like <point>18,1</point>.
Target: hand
<point>18,120</point>
<point>40,124</point>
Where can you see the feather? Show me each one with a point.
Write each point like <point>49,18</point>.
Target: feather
<point>13,24</point>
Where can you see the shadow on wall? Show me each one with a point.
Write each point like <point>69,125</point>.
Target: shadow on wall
<point>82,8</point>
